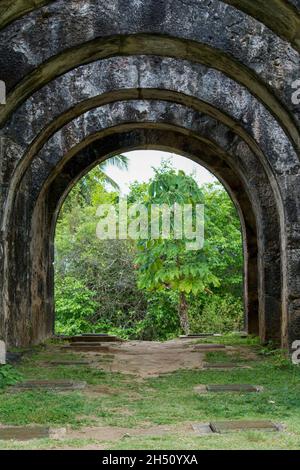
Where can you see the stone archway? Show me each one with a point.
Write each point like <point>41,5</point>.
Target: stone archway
<point>208,80</point>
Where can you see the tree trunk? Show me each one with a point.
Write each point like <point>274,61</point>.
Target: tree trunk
<point>183,313</point>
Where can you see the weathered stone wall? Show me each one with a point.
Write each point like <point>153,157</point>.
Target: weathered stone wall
<point>212,80</point>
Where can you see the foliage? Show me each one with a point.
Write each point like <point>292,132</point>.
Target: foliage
<point>161,321</point>
<point>104,267</point>
<point>166,263</point>
<point>86,189</point>
<point>8,376</point>
<point>223,239</point>
<point>135,288</point>
<point>95,279</point>
<point>75,305</point>
<point>219,314</point>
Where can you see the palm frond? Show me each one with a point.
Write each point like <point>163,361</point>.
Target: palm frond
<point>108,180</point>
<point>119,161</point>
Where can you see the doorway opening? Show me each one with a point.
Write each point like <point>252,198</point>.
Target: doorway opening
<point>148,288</point>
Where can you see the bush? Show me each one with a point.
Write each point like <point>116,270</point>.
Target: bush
<point>216,314</point>
<point>8,376</point>
<point>75,305</point>
<point>161,321</point>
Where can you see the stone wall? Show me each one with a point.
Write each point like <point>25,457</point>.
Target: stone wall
<point>212,80</point>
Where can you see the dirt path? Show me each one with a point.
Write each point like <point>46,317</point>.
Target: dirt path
<point>151,359</point>
<point>114,433</point>
<point>143,359</point>
<point>140,360</point>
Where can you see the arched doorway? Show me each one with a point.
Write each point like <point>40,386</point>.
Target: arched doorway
<point>119,85</point>
<point>99,281</point>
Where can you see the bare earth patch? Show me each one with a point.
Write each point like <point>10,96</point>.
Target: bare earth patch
<point>151,359</point>
<point>109,433</point>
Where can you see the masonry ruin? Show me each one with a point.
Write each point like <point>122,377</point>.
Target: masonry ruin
<point>212,80</point>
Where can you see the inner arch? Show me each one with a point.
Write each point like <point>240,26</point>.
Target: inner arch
<point>119,295</point>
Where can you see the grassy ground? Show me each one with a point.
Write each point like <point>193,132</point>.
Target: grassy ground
<point>166,400</point>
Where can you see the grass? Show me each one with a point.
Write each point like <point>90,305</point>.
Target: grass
<point>166,400</point>
<point>249,440</point>
<point>231,339</point>
<point>221,356</point>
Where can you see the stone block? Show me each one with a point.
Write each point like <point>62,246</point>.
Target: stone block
<point>23,433</point>
<point>86,347</point>
<point>2,352</point>
<point>223,427</point>
<point>94,339</point>
<point>207,346</point>
<point>224,366</point>
<point>68,363</point>
<point>57,385</point>
<point>202,429</point>
<point>239,388</point>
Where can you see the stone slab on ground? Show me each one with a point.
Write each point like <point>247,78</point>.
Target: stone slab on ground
<point>86,347</point>
<point>202,429</point>
<point>234,388</point>
<point>2,352</point>
<point>26,433</point>
<point>224,366</point>
<point>241,388</point>
<point>57,385</point>
<point>207,346</point>
<point>241,334</point>
<point>68,363</point>
<point>95,334</point>
<point>223,427</point>
<point>199,335</point>
<point>94,339</point>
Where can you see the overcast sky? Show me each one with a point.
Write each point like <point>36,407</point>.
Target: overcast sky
<point>142,161</point>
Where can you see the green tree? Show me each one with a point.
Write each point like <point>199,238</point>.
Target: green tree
<point>97,280</point>
<point>167,264</point>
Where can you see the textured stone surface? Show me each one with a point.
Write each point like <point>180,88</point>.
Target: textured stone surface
<point>211,80</point>
<point>27,433</point>
<point>222,427</point>
<point>224,366</point>
<point>228,388</point>
<point>58,385</point>
<point>95,334</point>
<point>202,429</point>
<point>234,388</point>
<point>200,335</point>
<point>23,433</point>
<point>68,363</point>
<point>94,339</point>
<point>87,347</point>
<point>2,352</point>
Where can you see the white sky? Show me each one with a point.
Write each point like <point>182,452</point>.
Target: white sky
<point>141,163</point>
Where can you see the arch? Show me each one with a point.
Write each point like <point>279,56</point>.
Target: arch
<point>211,149</point>
<point>147,44</point>
<point>283,20</point>
<point>152,75</point>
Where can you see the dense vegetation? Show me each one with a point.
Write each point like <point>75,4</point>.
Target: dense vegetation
<point>151,289</point>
